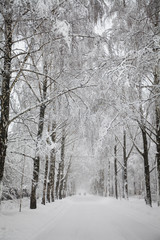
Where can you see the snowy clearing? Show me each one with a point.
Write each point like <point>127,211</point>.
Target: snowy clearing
<point>82,218</point>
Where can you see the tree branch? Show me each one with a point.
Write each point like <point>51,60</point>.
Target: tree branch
<point>47,101</point>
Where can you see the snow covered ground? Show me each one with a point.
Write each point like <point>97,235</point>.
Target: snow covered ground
<point>82,218</point>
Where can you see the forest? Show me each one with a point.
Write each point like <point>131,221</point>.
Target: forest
<point>79,99</point>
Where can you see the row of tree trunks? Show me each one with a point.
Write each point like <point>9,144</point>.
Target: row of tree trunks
<point>5,88</point>
<point>148,198</point>
<point>49,175</point>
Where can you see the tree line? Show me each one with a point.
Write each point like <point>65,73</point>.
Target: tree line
<point>64,82</point>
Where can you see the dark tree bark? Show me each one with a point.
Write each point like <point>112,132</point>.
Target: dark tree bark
<point>125,193</point>
<point>108,179</point>
<point>45,181</point>
<point>33,198</point>
<point>22,182</point>
<point>51,182</point>
<point>48,192</point>
<point>52,170</point>
<point>58,180</point>
<point>52,165</point>
<point>62,165</point>
<point>157,115</point>
<point>155,17</point>
<point>115,171</point>
<point>142,125</point>
<point>36,164</point>
<point>144,154</point>
<point>60,174</point>
<point>5,87</point>
<point>146,167</point>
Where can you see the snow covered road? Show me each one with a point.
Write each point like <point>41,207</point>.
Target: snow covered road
<point>94,218</point>
<point>88,218</point>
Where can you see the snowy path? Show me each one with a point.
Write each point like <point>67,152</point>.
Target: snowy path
<point>89,218</point>
<point>92,218</point>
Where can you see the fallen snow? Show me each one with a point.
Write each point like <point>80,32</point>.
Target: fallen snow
<point>82,218</point>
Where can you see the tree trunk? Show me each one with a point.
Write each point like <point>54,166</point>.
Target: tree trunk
<point>157,114</point>
<point>134,187</point>
<point>125,181</point>
<point>142,125</point>
<point>146,167</point>
<point>33,198</point>
<point>62,165</point>
<point>108,179</point>
<point>115,171</point>
<point>51,183</point>
<point>50,187</point>
<point>158,152</point>
<point>45,181</point>
<point>157,100</point>
<point>154,17</point>
<point>36,165</point>
<point>52,169</point>
<point>21,186</point>
<point>5,89</point>
<point>58,180</point>
<point>60,174</point>
<point>64,188</point>
<point>48,192</point>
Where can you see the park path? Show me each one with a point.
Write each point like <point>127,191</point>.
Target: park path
<point>97,218</point>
